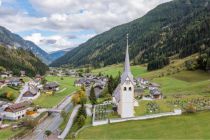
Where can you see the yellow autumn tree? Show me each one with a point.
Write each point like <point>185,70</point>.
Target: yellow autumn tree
<point>79,97</point>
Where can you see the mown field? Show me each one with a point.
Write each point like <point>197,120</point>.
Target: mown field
<point>66,88</point>
<point>171,80</point>
<point>115,69</point>
<point>193,126</point>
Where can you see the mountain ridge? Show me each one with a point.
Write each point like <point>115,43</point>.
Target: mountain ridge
<point>9,39</point>
<point>17,60</point>
<point>167,30</point>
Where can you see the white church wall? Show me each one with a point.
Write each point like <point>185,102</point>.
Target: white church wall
<point>127,100</point>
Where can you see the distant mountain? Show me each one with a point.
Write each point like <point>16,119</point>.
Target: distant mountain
<point>57,54</point>
<point>19,59</point>
<point>178,28</point>
<point>12,40</point>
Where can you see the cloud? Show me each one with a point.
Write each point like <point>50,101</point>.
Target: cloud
<point>48,41</point>
<point>71,36</point>
<point>75,15</point>
<point>66,17</point>
<point>56,42</point>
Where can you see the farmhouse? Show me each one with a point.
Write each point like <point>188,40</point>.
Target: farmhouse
<point>16,111</point>
<point>53,86</point>
<point>31,94</point>
<point>22,73</point>
<point>15,81</point>
<point>155,93</point>
<point>123,95</point>
<point>6,74</point>
<point>2,83</point>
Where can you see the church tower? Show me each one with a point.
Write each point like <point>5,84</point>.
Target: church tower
<point>126,103</point>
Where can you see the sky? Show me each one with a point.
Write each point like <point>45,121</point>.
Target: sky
<point>59,24</point>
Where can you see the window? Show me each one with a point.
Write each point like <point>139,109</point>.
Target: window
<point>129,88</point>
<point>125,89</point>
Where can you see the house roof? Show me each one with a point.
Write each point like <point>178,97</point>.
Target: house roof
<point>52,85</point>
<point>116,93</point>
<point>32,91</point>
<point>155,92</point>
<point>17,107</point>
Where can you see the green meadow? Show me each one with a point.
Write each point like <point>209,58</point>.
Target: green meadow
<point>15,91</point>
<point>9,133</point>
<point>66,88</point>
<point>115,69</point>
<point>188,126</point>
<point>174,82</point>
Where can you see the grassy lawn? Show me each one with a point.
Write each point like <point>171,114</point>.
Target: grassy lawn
<point>8,133</point>
<point>115,69</point>
<point>192,76</point>
<point>178,127</point>
<point>65,120</point>
<point>51,100</point>
<point>26,79</point>
<point>143,106</point>
<point>74,128</point>
<point>185,83</point>
<point>10,90</point>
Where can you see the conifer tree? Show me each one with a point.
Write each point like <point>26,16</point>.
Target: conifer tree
<point>92,96</point>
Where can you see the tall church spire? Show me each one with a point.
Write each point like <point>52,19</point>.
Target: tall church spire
<point>127,61</point>
<point>127,70</point>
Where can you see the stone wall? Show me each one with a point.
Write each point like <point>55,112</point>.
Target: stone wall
<point>152,116</point>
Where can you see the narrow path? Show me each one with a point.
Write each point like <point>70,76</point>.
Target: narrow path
<point>22,91</point>
<point>70,122</point>
<point>62,90</point>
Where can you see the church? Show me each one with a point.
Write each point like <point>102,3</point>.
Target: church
<point>123,95</point>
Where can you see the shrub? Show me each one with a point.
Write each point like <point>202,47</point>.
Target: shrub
<point>48,132</point>
<point>190,108</point>
<point>81,121</point>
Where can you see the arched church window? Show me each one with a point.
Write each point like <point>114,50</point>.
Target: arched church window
<point>129,88</point>
<point>125,89</point>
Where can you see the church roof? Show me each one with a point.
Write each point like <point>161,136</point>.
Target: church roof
<point>116,94</point>
<point>127,70</point>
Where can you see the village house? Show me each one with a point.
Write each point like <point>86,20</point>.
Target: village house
<point>15,111</point>
<point>22,73</point>
<point>53,86</point>
<point>6,74</point>
<point>14,81</point>
<point>2,83</point>
<point>155,93</point>
<point>79,82</point>
<point>31,94</point>
<point>36,83</point>
<point>38,77</point>
<point>71,73</point>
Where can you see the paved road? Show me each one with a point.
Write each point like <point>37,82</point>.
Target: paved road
<point>70,122</point>
<point>51,123</point>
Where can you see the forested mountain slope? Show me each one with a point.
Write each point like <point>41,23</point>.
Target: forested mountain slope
<point>12,40</point>
<point>179,27</point>
<point>19,59</point>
